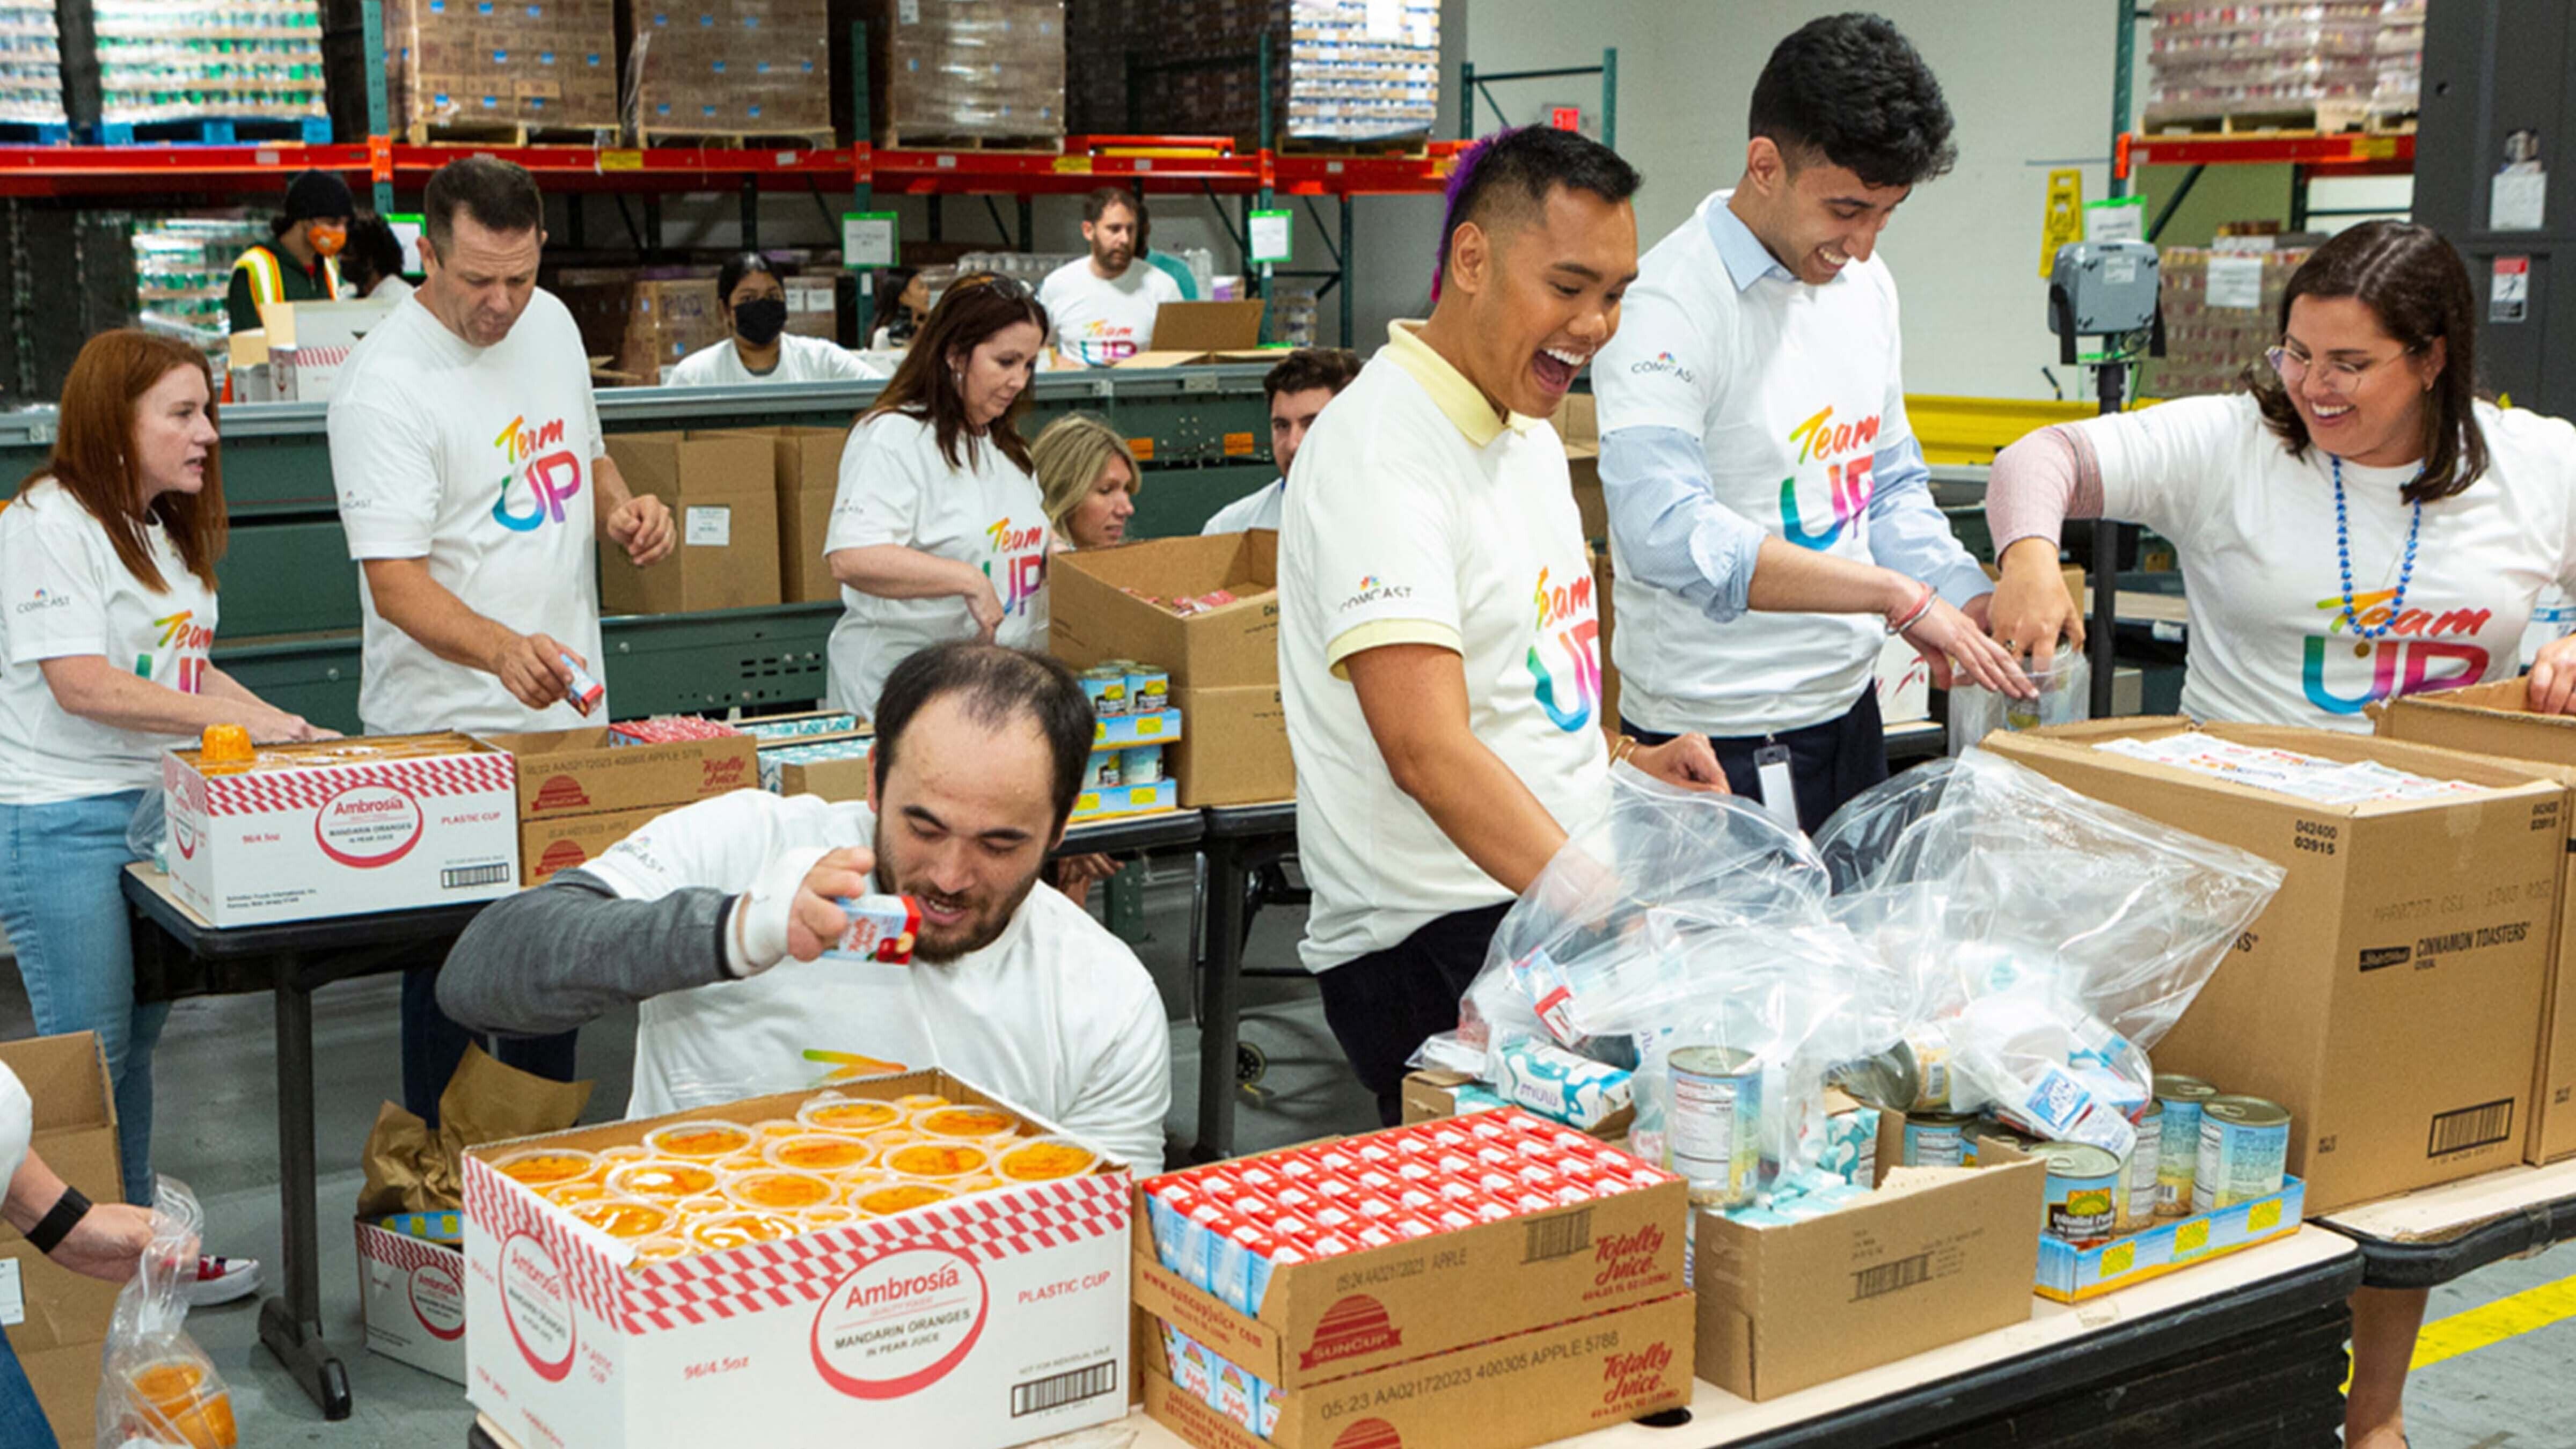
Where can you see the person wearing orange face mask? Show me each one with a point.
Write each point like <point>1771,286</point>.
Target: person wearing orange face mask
<point>300,261</point>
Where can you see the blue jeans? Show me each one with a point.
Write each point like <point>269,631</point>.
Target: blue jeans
<point>67,921</point>
<point>22,1419</point>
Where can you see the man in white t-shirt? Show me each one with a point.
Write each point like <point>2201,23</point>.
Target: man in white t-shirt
<point>1438,638</point>
<point>473,484</point>
<point>1298,388</point>
<point>1771,519</point>
<point>1103,305</point>
<point>713,918</point>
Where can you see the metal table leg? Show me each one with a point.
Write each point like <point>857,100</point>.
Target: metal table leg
<point>291,1323</point>
<point>1221,998</point>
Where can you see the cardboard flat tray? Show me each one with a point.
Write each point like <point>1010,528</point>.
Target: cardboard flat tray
<point>2435,1234</point>
<point>2070,1274</point>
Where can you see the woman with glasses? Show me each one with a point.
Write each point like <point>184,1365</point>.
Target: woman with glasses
<point>939,530</point>
<point>2359,525</point>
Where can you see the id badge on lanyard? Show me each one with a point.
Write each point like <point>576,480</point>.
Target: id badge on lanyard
<point>1779,792</point>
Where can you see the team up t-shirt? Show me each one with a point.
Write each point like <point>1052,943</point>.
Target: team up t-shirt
<point>897,488</point>
<point>800,359</point>
<point>1099,320</point>
<point>1791,390</point>
<point>2254,530</point>
<point>1057,1015</point>
<point>64,593</point>
<point>1424,519</point>
<point>479,460</point>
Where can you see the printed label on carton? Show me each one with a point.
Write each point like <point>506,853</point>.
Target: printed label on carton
<point>900,1323</point>
<point>438,1300</point>
<point>535,1300</point>
<point>366,826</point>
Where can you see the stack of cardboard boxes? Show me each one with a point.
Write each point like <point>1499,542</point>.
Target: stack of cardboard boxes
<point>728,66</point>
<point>965,69</point>
<point>1341,70</point>
<point>580,792</point>
<point>2222,308</point>
<point>643,321</point>
<point>451,62</point>
<point>722,491</point>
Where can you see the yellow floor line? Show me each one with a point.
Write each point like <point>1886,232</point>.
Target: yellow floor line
<point>2492,1323</point>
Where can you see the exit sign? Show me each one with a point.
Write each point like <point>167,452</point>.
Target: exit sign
<point>1565,118</point>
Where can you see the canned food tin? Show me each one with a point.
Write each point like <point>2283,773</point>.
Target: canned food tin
<point>1983,1130</point>
<point>2178,1159</point>
<point>1149,690</point>
<point>1101,771</point>
<point>1105,685</point>
<point>1712,1134</point>
<point>1938,1139</point>
<point>2145,1161</point>
<point>1140,764</point>
<point>2244,1147</point>
<point>1932,1068</point>
<point>2084,1188</point>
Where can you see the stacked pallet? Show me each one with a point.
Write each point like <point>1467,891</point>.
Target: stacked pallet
<point>1342,72</point>
<point>31,68</point>
<point>732,69</point>
<point>2302,63</point>
<point>500,71</point>
<point>2222,312</point>
<point>163,62</point>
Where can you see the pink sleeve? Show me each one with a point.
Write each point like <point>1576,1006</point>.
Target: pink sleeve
<point>2040,482</point>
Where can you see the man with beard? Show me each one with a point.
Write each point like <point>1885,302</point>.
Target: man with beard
<point>1104,304</point>
<point>713,918</point>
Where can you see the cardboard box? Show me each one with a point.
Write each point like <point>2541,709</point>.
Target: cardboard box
<point>806,463</point>
<point>1383,1306</point>
<point>1530,1388</point>
<point>57,1319</point>
<point>1093,617</point>
<point>1113,800</point>
<point>1602,580</point>
<point>1236,749</point>
<point>2493,719</point>
<point>1938,1254</point>
<point>429,820</point>
<point>1198,358</point>
<point>411,1294</point>
<point>579,772</point>
<point>555,843</point>
<point>1578,426</point>
<point>1011,1307</point>
<point>1207,326</point>
<point>2068,1274</point>
<point>834,767</point>
<point>1432,1093</point>
<point>2387,995</point>
<point>722,491</point>
<point>1154,727</point>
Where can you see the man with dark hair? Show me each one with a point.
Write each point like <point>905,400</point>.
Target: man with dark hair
<point>713,918</point>
<point>1103,305</point>
<point>300,262</point>
<point>1298,388</point>
<point>474,487</point>
<point>1437,631</point>
<point>1771,520</point>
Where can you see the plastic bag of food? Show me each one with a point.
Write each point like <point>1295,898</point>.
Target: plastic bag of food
<point>2065,696</point>
<point>157,1387</point>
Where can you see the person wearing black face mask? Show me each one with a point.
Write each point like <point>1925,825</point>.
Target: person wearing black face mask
<point>761,349</point>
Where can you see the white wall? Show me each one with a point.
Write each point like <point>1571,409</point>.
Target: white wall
<point>2028,80</point>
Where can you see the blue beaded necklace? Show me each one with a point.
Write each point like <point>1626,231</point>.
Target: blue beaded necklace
<point>2343,555</point>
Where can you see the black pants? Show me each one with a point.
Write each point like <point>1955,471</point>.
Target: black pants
<point>1384,1005</point>
<point>1828,763</point>
<point>433,1043</point>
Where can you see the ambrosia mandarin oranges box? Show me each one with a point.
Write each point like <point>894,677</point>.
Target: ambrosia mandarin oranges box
<point>340,827</point>
<point>900,1260</point>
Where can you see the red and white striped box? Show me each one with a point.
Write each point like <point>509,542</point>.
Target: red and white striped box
<point>411,1292</point>
<point>987,1321</point>
<point>342,827</point>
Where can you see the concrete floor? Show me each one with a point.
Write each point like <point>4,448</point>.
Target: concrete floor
<point>217,1132</point>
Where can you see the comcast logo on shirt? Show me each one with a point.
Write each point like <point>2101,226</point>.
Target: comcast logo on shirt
<point>552,472</point>
<point>1663,362</point>
<point>44,600</point>
<point>1372,589</point>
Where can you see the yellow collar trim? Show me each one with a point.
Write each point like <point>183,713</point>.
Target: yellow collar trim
<point>1464,405</point>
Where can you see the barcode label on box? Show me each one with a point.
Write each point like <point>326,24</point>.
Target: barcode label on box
<point>13,1298</point>
<point>1558,1237</point>
<point>1896,1277</point>
<point>2480,1126</point>
<point>467,877</point>
<point>1037,1396</point>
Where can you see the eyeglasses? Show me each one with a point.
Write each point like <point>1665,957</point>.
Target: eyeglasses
<point>2340,375</point>
<point>1010,289</point>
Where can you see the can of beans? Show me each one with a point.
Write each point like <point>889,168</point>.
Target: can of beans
<point>1712,1133</point>
<point>1105,685</point>
<point>2244,1149</point>
<point>2146,1161</point>
<point>2178,1154</point>
<point>1149,690</point>
<point>2085,1185</point>
<point>1937,1139</point>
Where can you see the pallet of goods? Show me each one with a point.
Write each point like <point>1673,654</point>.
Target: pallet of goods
<point>2222,306</point>
<point>984,74</point>
<point>31,74</point>
<point>2274,64</point>
<point>729,72</point>
<point>1343,73</point>
<point>456,69</point>
<point>212,71</point>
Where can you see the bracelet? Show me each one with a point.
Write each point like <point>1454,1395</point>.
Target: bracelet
<point>1626,746</point>
<point>1922,606</point>
<point>49,1231</point>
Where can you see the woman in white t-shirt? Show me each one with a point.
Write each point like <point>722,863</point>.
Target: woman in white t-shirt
<point>1089,480</point>
<point>2360,525</point>
<point>107,612</point>
<point>761,349</point>
<point>938,530</point>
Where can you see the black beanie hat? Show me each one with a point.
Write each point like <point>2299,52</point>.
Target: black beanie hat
<point>318,193</point>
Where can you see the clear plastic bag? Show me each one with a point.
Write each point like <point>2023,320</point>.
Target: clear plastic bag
<point>2065,696</point>
<point>157,1387</point>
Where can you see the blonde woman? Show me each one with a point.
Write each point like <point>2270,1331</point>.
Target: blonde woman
<point>1089,481</point>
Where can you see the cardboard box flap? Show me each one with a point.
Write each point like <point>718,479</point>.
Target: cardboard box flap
<point>2082,741</point>
<point>1207,326</point>
<point>66,1076</point>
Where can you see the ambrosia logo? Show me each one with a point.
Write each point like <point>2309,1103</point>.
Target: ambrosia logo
<point>1849,483</point>
<point>552,472</point>
<point>1372,589</point>
<point>1663,362</point>
<point>1568,629</point>
<point>2421,651</point>
<point>899,1323</point>
<point>1018,557</point>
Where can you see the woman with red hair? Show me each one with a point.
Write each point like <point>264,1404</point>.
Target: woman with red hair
<point>107,612</point>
